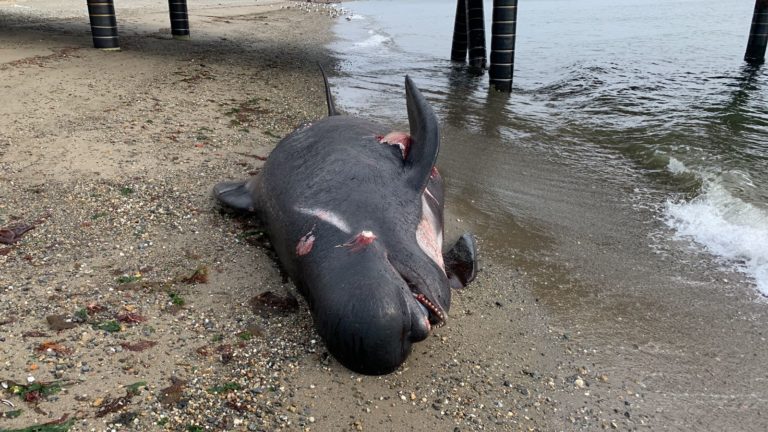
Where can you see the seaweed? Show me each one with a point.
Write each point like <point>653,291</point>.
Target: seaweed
<point>172,394</point>
<point>176,299</point>
<point>60,425</point>
<point>33,333</point>
<point>12,414</point>
<point>268,303</point>
<point>225,388</point>
<point>59,322</point>
<point>55,347</point>
<point>13,233</point>
<point>33,392</point>
<point>124,279</point>
<point>200,276</point>
<point>139,346</point>
<point>114,405</point>
<point>130,318</point>
<point>111,326</point>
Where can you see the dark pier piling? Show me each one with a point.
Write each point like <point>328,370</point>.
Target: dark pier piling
<point>459,47</point>
<point>758,34</point>
<point>179,19</point>
<point>503,31</point>
<point>476,32</point>
<point>103,24</point>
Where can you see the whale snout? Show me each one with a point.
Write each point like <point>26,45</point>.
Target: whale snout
<point>369,337</point>
<point>370,329</point>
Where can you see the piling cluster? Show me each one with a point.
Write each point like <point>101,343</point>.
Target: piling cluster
<point>469,39</point>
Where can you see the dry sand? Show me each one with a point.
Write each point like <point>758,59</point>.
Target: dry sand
<point>111,156</point>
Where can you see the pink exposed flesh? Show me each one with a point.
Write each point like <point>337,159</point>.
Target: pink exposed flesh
<point>305,244</point>
<point>400,139</point>
<point>360,241</point>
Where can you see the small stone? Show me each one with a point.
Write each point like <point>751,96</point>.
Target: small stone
<point>579,383</point>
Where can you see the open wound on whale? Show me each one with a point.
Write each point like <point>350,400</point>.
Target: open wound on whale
<point>428,235</point>
<point>305,243</point>
<point>396,138</point>
<point>360,241</point>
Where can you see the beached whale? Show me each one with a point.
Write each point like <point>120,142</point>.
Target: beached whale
<point>354,212</point>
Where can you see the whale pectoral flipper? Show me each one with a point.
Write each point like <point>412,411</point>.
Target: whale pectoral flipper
<point>236,194</point>
<point>461,261</point>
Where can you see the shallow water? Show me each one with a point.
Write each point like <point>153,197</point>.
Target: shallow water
<point>628,120</point>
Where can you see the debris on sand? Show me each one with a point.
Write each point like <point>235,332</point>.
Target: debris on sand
<point>268,303</point>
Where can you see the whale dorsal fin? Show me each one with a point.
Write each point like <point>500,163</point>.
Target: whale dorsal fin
<point>425,136</point>
<point>328,96</point>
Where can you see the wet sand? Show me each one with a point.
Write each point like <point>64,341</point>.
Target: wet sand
<point>112,156</point>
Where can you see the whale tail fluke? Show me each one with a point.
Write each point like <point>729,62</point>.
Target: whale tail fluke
<point>328,96</point>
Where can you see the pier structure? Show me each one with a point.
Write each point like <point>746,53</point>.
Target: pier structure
<point>179,19</point>
<point>469,39</point>
<point>476,34</point>
<point>503,34</point>
<point>104,22</point>
<point>460,36</point>
<point>758,34</point>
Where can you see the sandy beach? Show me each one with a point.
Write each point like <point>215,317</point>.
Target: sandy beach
<point>133,302</point>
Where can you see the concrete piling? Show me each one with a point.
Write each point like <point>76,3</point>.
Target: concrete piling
<point>476,32</point>
<point>179,19</point>
<point>459,47</point>
<point>103,24</point>
<point>758,34</point>
<point>503,32</point>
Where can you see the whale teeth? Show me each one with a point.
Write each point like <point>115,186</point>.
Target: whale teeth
<point>421,298</point>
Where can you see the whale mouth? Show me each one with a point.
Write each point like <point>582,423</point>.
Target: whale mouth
<point>436,316</point>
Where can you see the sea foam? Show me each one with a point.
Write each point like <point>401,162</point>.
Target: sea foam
<point>374,40</point>
<point>726,226</point>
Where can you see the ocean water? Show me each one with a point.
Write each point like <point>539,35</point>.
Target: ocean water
<point>651,99</point>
